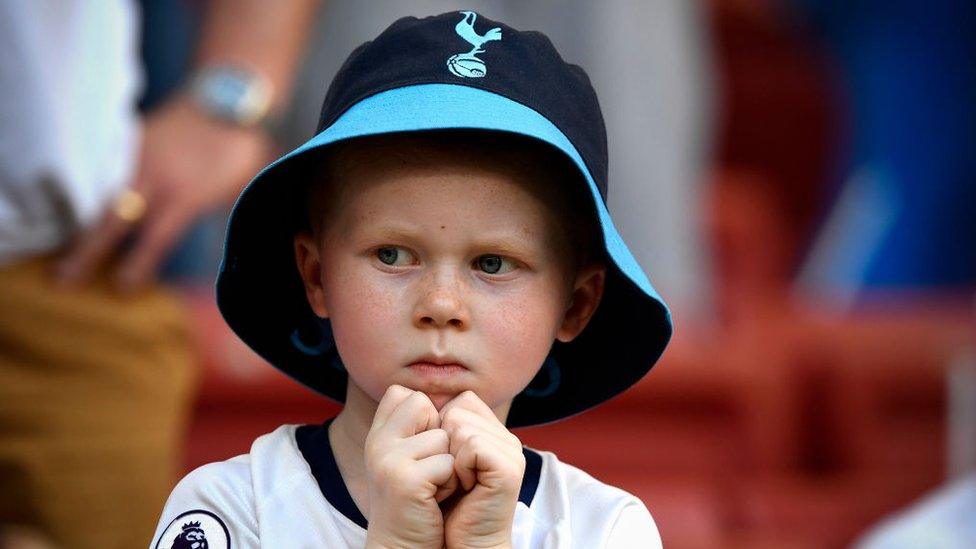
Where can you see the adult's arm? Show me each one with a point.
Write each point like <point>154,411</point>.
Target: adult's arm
<point>190,161</point>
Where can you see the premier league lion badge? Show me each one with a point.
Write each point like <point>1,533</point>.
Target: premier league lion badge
<point>196,529</point>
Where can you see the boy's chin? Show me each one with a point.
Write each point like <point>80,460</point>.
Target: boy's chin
<point>440,400</point>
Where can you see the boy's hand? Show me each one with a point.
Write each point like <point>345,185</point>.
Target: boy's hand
<point>490,464</point>
<point>409,470</point>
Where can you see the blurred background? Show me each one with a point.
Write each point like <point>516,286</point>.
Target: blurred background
<point>797,177</point>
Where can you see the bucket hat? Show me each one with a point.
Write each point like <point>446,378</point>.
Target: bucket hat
<point>457,70</point>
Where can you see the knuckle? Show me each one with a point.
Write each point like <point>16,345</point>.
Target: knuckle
<point>394,391</point>
<point>456,416</point>
<point>513,469</point>
<point>440,436</point>
<point>416,397</point>
<point>426,405</point>
<point>448,418</point>
<point>424,399</point>
<point>520,463</point>
<point>415,403</point>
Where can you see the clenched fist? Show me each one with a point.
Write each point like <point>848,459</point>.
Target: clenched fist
<point>409,470</point>
<point>462,458</point>
<point>489,463</point>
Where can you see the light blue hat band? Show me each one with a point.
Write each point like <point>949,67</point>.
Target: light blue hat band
<point>446,106</point>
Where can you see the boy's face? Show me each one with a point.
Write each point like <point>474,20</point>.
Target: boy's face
<point>444,261</point>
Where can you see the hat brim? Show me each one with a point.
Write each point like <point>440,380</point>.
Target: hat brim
<point>262,298</point>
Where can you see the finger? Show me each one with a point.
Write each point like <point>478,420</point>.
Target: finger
<point>462,416</point>
<point>466,465</point>
<point>394,395</point>
<point>92,248</point>
<point>155,240</point>
<point>426,444</point>
<point>461,423</point>
<point>443,492</point>
<point>502,449</point>
<point>439,471</point>
<point>469,400</point>
<point>482,460</point>
<point>413,415</point>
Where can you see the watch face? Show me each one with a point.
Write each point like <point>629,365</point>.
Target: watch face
<point>227,89</point>
<point>232,94</point>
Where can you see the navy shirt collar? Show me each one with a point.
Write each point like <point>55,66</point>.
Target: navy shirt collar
<point>313,442</point>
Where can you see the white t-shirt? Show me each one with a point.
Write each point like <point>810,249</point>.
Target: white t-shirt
<point>69,129</point>
<point>288,493</point>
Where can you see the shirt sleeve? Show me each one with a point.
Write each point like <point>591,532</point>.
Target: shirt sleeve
<point>634,528</point>
<point>213,503</point>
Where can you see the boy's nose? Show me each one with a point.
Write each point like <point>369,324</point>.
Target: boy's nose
<point>441,307</point>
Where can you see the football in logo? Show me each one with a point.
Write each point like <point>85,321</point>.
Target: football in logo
<point>468,64</point>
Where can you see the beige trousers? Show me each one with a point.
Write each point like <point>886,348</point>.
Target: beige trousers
<point>95,390</point>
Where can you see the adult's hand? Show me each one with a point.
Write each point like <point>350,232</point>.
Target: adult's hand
<point>189,163</point>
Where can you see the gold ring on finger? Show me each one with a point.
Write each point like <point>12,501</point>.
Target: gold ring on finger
<point>130,206</point>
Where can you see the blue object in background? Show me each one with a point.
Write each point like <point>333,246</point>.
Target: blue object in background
<point>909,68</point>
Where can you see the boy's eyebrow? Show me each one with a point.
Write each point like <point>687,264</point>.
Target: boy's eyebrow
<point>499,242</point>
<point>391,232</point>
<point>509,244</point>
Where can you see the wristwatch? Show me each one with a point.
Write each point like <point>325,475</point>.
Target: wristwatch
<point>233,94</point>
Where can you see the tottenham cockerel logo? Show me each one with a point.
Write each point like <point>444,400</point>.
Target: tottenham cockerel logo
<point>468,65</point>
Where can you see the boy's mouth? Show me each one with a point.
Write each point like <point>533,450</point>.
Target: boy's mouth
<point>430,369</point>
<point>442,366</point>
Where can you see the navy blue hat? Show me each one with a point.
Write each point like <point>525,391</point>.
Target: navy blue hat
<point>452,71</point>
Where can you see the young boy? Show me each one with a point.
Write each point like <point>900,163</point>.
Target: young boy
<point>439,257</point>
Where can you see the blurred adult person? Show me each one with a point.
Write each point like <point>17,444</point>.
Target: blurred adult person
<point>95,360</point>
<point>904,218</point>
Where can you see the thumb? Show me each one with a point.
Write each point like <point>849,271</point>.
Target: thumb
<point>447,489</point>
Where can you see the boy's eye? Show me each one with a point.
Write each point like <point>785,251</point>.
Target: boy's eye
<point>493,264</point>
<point>391,255</point>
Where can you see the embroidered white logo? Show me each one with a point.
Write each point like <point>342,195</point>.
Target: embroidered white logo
<point>468,65</point>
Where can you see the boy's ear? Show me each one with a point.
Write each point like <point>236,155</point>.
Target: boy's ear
<point>587,292</point>
<point>309,264</point>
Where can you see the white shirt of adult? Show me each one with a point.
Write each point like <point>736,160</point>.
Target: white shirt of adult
<point>280,495</point>
<point>69,129</point>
